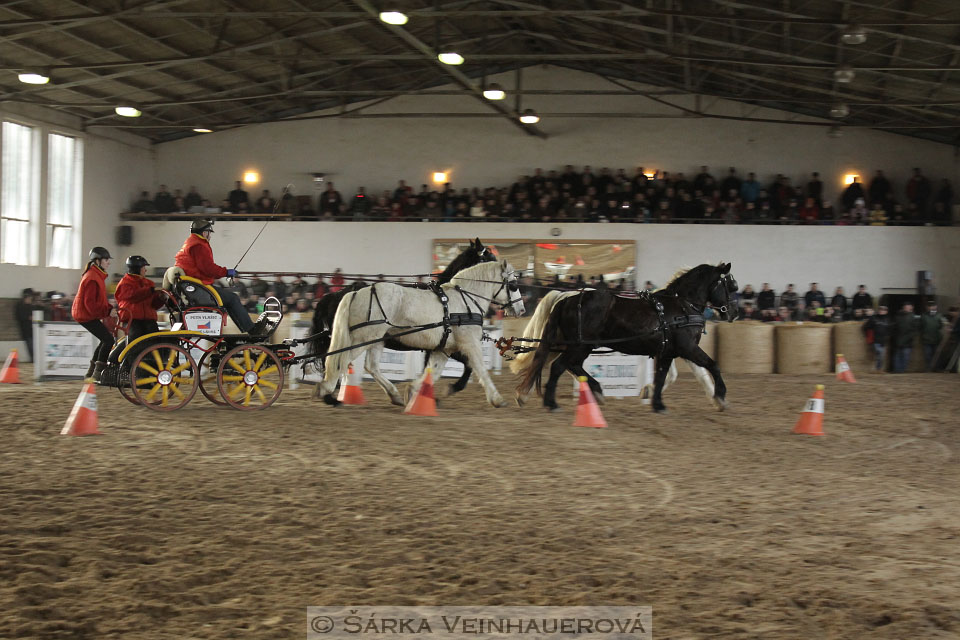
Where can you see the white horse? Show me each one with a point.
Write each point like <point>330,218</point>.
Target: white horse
<point>534,329</point>
<point>387,309</point>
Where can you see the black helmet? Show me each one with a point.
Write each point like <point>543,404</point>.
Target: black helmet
<point>135,263</point>
<point>99,253</point>
<point>199,226</point>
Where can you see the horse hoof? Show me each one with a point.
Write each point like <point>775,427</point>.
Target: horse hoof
<point>331,400</point>
<point>664,410</point>
<point>520,400</point>
<point>553,409</point>
<point>398,402</point>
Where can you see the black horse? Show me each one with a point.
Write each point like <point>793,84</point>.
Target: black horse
<point>666,324</point>
<point>327,309</point>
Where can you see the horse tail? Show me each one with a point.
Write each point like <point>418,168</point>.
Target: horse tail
<point>534,370</point>
<point>535,327</point>
<point>340,335</point>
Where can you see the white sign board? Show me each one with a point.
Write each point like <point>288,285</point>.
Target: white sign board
<point>620,376</point>
<point>61,350</point>
<point>208,323</point>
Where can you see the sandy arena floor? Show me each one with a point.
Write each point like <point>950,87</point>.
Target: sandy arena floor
<point>213,523</point>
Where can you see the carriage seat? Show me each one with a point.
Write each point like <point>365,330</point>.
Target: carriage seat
<point>190,292</point>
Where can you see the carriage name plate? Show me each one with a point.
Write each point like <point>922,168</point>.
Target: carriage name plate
<point>634,623</point>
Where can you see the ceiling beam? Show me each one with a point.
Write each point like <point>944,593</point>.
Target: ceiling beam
<point>458,76</point>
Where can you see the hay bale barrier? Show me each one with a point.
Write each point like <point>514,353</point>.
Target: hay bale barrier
<point>804,347</point>
<point>745,347</point>
<point>849,340</point>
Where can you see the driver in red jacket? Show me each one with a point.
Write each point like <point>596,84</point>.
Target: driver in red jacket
<point>138,299</point>
<point>196,259</point>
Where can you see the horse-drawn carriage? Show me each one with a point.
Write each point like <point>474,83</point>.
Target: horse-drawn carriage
<point>164,370</point>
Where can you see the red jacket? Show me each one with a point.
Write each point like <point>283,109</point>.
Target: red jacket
<point>91,301</point>
<point>137,298</point>
<point>196,259</point>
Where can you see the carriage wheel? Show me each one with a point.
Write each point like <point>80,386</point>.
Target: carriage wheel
<point>164,377</point>
<point>124,385</point>
<point>250,377</point>
<point>127,394</point>
<point>208,381</point>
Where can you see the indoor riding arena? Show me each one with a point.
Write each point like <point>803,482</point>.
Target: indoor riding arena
<point>700,258</point>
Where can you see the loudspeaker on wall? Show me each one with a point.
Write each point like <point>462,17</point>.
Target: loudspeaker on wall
<point>125,235</point>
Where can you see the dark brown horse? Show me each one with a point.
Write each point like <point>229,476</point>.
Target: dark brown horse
<point>666,324</point>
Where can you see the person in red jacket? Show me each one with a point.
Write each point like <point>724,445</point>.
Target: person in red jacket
<point>90,307</point>
<point>138,299</point>
<point>196,259</point>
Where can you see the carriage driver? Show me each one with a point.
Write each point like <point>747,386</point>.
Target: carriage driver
<point>196,259</point>
<point>138,299</point>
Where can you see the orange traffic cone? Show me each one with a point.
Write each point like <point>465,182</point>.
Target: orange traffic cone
<point>350,392</point>
<point>11,372</point>
<point>843,369</point>
<point>83,418</point>
<point>811,420</point>
<point>588,411</point>
<point>424,403</point>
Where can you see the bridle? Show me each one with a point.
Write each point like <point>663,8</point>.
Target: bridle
<point>509,283</point>
<point>729,285</point>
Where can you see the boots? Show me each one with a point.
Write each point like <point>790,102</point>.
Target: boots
<point>97,370</point>
<point>90,370</point>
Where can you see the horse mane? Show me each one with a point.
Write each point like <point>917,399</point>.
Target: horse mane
<point>468,255</point>
<point>690,281</point>
<point>483,271</point>
<point>676,276</point>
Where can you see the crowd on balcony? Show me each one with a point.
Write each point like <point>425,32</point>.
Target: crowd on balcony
<point>602,196</point>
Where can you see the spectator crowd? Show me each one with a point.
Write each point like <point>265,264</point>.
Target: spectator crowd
<point>603,196</point>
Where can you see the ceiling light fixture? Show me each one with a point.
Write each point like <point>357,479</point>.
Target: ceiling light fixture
<point>393,17</point>
<point>529,116</point>
<point>449,57</point>
<point>853,34</point>
<point>33,77</point>
<point>494,92</point>
<point>128,112</point>
<point>202,130</point>
<point>839,111</point>
<point>844,74</point>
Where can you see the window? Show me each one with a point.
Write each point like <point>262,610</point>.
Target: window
<point>64,195</point>
<point>18,195</point>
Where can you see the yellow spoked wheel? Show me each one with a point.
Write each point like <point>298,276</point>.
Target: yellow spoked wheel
<point>250,377</point>
<point>164,377</point>
<point>208,380</point>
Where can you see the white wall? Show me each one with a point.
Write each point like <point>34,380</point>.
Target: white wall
<point>879,257</point>
<point>485,151</point>
<point>116,167</point>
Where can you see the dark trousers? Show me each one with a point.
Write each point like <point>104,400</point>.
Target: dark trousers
<point>235,308</point>
<point>96,327</point>
<point>141,328</point>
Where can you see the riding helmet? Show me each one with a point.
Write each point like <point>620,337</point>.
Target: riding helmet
<point>135,263</point>
<point>99,253</point>
<point>199,226</point>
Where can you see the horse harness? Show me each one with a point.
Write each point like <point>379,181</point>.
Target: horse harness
<point>449,319</point>
<point>665,326</point>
